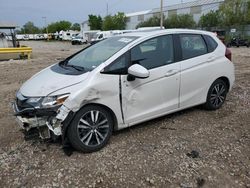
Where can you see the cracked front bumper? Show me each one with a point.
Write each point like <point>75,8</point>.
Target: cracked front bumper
<point>44,120</point>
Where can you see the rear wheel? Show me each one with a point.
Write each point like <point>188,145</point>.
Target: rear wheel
<point>216,95</point>
<point>90,129</point>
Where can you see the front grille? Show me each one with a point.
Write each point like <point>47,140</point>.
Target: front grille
<point>22,104</point>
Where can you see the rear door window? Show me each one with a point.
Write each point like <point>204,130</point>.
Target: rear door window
<point>192,45</point>
<point>211,43</point>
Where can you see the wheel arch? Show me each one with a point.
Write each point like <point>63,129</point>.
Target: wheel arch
<point>223,78</point>
<point>106,108</point>
<point>226,80</point>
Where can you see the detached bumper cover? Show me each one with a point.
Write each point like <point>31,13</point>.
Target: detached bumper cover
<point>27,118</point>
<point>42,119</point>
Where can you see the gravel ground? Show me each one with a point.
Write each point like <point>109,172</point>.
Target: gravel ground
<point>157,153</point>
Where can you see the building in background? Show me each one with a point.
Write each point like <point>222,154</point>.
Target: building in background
<point>195,8</point>
<point>85,26</point>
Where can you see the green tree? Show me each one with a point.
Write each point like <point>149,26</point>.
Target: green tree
<point>95,22</point>
<point>30,28</point>
<point>58,26</point>
<point>116,22</point>
<point>120,20</point>
<point>211,19</point>
<point>151,22</point>
<point>108,23</point>
<point>248,12</point>
<point>172,22</point>
<point>233,12</point>
<point>76,27</point>
<point>180,21</point>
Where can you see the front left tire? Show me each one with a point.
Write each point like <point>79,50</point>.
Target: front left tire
<point>90,129</point>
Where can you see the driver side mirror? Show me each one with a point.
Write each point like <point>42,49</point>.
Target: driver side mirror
<point>137,71</point>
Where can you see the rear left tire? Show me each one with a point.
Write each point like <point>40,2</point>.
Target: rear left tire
<point>216,95</point>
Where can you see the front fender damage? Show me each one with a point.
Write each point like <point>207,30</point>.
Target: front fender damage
<point>96,93</point>
<point>56,124</point>
<point>66,112</point>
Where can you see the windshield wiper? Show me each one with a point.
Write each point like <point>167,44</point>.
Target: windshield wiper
<point>65,64</point>
<point>78,68</point>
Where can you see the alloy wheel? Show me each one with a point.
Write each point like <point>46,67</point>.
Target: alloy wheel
<point>218,95</point>
<point>93,128</point>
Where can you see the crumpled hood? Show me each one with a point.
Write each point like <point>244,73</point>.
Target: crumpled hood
<point>48,81</point>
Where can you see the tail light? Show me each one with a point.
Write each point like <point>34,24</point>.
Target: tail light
<point>228,54</point>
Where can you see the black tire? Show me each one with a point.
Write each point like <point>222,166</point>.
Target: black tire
<point>84,134</point>
<point>216,95</point>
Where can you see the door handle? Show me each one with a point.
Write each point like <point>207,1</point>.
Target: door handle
<point>211,58</point>
<point>171,72</point>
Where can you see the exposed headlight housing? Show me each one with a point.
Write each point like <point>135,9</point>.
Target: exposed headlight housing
<point>47,102</point>
<point>52,101</point>
<point>34,101</point>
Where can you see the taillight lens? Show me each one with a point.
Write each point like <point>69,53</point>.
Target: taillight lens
<point>228,54</point>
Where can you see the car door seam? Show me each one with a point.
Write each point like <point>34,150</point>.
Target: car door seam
<point>120,97</point>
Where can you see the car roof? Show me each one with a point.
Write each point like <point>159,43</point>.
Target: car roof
<point>148,33</point>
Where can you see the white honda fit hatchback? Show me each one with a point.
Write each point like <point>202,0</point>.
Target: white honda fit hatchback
<point>123,81</point>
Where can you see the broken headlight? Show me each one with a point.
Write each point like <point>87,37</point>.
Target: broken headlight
<point>34,101</point>
<point>52,101</point>
<point>47,102</point>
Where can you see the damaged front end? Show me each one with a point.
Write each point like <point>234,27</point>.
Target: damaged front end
<point>40,116</point>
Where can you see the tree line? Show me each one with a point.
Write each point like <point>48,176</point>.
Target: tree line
<point>31,28</point>
<point>230,13</point>
<point>109,22</point>
<point>115,22</point>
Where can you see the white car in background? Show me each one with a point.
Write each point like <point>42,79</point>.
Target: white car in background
<point>79,39</point>
<point>122,81</point>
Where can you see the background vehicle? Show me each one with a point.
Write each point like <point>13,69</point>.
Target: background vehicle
<point>125,80</point>
<point>67,35</point>
<point>104,35</point>
<point>3,40</point>
<point>79,40</point>
<point>237,41</point>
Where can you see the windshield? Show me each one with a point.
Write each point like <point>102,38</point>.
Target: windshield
<point>93,56</point>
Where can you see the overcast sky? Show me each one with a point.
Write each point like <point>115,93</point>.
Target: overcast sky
<point>21,11</point>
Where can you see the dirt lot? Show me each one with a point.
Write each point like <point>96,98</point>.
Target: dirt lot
<point>153,154</point>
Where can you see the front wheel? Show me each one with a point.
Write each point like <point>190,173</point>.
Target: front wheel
<point>90,129</point>
<point>216,95</point>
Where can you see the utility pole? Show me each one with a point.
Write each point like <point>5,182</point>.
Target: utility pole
<point>161,23</point>
<point>45,23</point>
<point>107,9</point>
<point>181,6</point>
